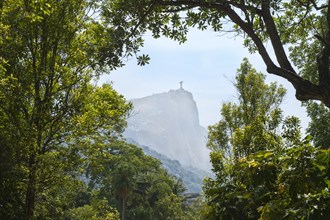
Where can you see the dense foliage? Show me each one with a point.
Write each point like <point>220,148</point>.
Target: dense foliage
<point>122,177</point>
<point>61,154</point>
<point>302,56</point>
<point>263,168</point>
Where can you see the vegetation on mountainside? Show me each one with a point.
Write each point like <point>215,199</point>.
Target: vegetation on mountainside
<point>191,177</point>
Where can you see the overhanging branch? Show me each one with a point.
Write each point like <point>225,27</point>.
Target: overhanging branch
<point>305,90</point>
<point>275,38</point>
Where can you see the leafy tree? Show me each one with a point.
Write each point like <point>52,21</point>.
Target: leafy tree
<point>290,184</point>
<point>247,126</point>
<point>87,212</point>
<point>279,22</point>
<point>136,184</point>
<point>50,53</point>
<point>60,136</point>
<point>319,126</point>
<point>271,167</point>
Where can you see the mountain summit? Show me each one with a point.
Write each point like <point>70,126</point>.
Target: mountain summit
<point>169,124</point>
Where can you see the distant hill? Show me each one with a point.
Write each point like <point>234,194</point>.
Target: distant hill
<point>191,177</point>
<point>168,123</point>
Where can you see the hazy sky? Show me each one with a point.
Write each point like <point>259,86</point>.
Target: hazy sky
<point>207,64</point>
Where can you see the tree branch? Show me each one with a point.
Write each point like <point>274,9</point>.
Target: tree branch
<point>318,7</point>
<point>323,57</point>
<point>275,38</point>
<point>305,90</point>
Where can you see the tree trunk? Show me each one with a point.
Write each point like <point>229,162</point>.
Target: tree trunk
<point>123,209</point>
<point>31,189</point>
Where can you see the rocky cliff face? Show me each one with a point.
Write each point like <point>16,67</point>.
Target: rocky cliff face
<point>169,124</point>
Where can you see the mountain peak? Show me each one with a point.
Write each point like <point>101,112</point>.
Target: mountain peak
<point>181,91</point>
<point>169,124</point>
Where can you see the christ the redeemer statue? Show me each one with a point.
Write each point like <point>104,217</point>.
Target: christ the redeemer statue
<point>181,84</point>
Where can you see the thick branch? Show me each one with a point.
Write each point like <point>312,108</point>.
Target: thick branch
<point>271,67</point>
<point>323,66</point>
<point>275,38</point>
<point>323,57</point>
<point>247,28</point>
<point>318,7</point>
<point>305,90</point>
<point>250,32</point>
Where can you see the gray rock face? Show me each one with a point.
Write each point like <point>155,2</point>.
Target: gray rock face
<point>169,124</point>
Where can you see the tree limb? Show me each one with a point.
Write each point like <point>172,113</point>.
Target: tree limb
<point>318,7</point>
<point>305,90</point>
<point>275,38</point>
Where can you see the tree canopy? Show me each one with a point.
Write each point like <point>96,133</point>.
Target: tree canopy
<point>57,126</point>
<point>257,102</point>
<point>263,168</point>
<point>284,24</point>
